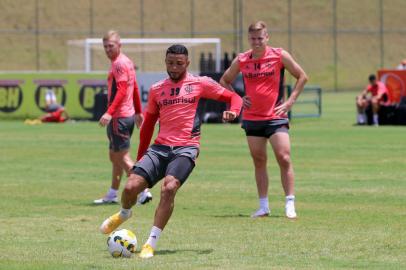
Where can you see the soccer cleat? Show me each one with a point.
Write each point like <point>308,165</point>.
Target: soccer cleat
<point>32,122</point>
<point>290,209</point>
<point>261,213</point>
<point>106,200</point>
<point>112,223</point>
<point>146,252</point>
<point>144,197</point>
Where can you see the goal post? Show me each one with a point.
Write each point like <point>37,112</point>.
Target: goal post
<point>147,45</point>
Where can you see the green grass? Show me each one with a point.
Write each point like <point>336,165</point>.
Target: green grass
<point>350,186</point>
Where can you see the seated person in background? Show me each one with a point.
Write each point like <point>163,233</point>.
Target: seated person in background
<point>55,111</point>
<point>402,65</point>
<point>374,94</point>
<point>57,116</point>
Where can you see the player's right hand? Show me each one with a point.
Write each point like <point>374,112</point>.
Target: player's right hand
<point>229,115</point>
<point>246,102</point>
<point>139,118</point>
<point>105,119</point>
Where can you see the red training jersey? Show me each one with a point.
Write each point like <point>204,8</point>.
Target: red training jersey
<point>378,88</point>
<point>176,105</point>
<point>121,72</point>
<point>263,80</point>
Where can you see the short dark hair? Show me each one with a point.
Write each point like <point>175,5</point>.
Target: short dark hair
<point>372,77</point>
<point>177,49</point>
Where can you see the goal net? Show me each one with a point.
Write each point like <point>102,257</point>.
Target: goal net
<point>147,53</point>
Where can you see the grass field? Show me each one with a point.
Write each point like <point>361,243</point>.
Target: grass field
<point>351,187</point>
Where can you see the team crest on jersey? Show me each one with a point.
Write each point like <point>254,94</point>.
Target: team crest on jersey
<point>188,89</point>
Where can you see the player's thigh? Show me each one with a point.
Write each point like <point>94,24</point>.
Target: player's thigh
<point>179,168</point>
<point>280,142</point>
<point>257,146</point>
<point>152,165</point>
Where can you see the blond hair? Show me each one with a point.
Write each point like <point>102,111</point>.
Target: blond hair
<point>111,34</point>
<point>256,26</point>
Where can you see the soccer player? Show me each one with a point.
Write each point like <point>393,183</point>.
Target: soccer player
<point>373,95</point>
<point>174,101</point>
<point>265,111</point>
<point>124,109</point>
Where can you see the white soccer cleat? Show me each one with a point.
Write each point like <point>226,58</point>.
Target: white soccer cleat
<point>261,213</point>
<point>290,209</point>
<point>106,200</point>
<point>144,197</point>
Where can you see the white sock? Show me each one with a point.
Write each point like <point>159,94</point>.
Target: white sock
<point>263,203</point>
<point>125,213</point>
<point>375,118</point>
<point>361,118</point>
<point>290,199</point>
<point>112,193</point>
<point>154,236</point>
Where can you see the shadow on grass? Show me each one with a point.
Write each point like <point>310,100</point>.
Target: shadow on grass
<point>246,216</point>
<point>196,251</point>
<point>98,205</point>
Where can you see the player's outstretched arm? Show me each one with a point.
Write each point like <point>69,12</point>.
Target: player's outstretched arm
<point>235,102</point>
<point>137,99</point>
<point>106,117</point>
<point>146,132</point>
<point>139,117</point>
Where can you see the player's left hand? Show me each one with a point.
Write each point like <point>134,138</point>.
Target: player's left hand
<point>105,119</point>
<point>139,118</point>
<point>229,115</point>
<point>283,109</point>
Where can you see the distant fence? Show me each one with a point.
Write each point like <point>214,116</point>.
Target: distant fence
<point>338,42</point>
<point>308,104</point>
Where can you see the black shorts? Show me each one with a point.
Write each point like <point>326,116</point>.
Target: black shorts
<point>162,160</point>
<point>265,128</point>
<point>119,132</point>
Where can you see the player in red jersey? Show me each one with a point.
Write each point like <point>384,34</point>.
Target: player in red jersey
<point>124,109</point>
<point>265,111</point>
<point>373,95</point>
<point>174,101</point>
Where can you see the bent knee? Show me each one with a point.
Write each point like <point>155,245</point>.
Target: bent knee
<point>170,185</point>
<point>135,183</point>
<point>284,159</point>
